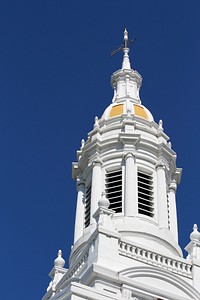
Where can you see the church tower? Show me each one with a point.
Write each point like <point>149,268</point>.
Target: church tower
<point>126,236</point>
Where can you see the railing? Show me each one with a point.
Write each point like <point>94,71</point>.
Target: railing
<point>78,267</point>
<point>155,259</point>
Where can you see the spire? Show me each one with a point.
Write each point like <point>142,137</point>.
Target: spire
<point>126,62</point>
<point>126,82</point>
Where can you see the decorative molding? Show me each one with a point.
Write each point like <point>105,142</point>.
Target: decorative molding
<point>160,165</point>
<point>129,138</point>
<point>126,294</point>
<point>155,259</point>
<point>75,270</point>
<point>97,161</point>
<point>127,155</point>
<point>173,186</point>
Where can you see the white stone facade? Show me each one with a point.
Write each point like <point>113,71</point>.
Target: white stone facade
<point>126,236</point>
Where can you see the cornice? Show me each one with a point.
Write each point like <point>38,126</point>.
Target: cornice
<point>154,151</point>
<point>96,160</point>
<point>94,145</point>
<point>160,165</point>
<point>161,133</point>
<point>166,153</point>
<point>129,138</point>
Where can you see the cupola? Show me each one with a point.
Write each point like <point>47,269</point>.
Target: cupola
<point>128,158</point>
<point>126,84</point>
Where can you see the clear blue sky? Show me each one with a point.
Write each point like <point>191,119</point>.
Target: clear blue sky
<point>55,69</point>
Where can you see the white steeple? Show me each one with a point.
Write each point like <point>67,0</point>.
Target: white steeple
<point>126,235</point>
<point>126,62</point>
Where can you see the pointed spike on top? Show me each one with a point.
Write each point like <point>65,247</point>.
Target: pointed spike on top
<point>125,37</point>
<point>195,227</point>
<point>126,62</point>
<point>160,125</point>
<point>82,143</point>
<point>59,252</point>
<point>96,122</point>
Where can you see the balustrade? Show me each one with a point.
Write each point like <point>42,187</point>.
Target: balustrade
<point>156,259</point>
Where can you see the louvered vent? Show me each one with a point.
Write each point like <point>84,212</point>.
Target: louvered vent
<point>114,190</point>
<point>87,206</point>
<point>145,194</point>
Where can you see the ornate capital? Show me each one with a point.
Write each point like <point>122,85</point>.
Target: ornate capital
<point>126,155</point>
<point>160,165</point>
<point>97,161</point>
<point>173,185</point>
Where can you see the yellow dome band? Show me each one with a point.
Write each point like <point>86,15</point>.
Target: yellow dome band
<point>140,112</point>
<point>116,110</point>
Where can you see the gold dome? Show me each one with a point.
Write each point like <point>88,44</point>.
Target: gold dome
<point>115,110</point>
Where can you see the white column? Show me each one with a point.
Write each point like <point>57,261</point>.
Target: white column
<point>162,196</point>
<point>96,188</point>
<point>172,209</point>
<point>80,211</point>
<point>130,201</point>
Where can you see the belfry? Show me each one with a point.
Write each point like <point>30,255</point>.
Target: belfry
<point>125,236</point>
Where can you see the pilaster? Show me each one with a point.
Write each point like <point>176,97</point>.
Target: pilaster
<point>162,196</point>
<point>96,189</point>
<point>80,209</point>
<point>130,201</point>
<point>172,209</point>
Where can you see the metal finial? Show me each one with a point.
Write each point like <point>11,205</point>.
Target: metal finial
<point>125,44</point>
<point>125,38</point>
<point>195,227</point>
